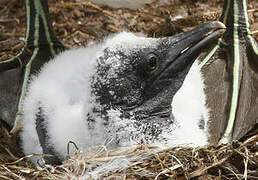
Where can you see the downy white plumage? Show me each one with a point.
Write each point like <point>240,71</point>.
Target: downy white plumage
<point>69,99</point>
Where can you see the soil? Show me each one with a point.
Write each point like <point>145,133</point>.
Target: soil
<point>77,23</point>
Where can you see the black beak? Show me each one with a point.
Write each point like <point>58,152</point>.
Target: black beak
<point>184,48</point>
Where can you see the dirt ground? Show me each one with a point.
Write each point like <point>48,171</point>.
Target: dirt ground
<point>77,23</point>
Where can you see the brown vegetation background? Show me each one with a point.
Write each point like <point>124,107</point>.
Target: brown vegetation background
<point>77,23</point>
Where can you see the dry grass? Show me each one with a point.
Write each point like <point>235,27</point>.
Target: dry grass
<point>156,161</point>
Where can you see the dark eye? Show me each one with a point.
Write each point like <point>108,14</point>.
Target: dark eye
<point>152,62</point>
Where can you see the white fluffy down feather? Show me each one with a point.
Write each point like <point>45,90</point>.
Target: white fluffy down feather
<point>62,89</point>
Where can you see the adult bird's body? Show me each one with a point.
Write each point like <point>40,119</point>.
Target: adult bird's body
<point>120,90</point>
<point>231,79</point>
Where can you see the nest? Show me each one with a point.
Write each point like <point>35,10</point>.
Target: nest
<point>76,24</point>
<point>156,161</point>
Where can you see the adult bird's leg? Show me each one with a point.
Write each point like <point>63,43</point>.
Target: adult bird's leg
<point>231,76</point>
<point>41,44</point>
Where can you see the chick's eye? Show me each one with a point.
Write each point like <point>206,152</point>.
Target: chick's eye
<point>152,62</point>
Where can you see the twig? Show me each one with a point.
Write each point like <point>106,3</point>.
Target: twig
<point>9,152</point>
<point>202,170</point>
<point>4,177</point>
<point>69,4</point>
<point>3,34</point>
<point>7,20</point>
<point>28,156</point>
<point>12,173</point>
<point>170,169</point>
<point>252,10</point>
<point>246,164</point>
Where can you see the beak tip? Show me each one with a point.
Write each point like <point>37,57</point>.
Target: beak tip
<point>218,25</point>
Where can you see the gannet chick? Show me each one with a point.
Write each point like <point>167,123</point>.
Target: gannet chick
<point>120,90</point>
